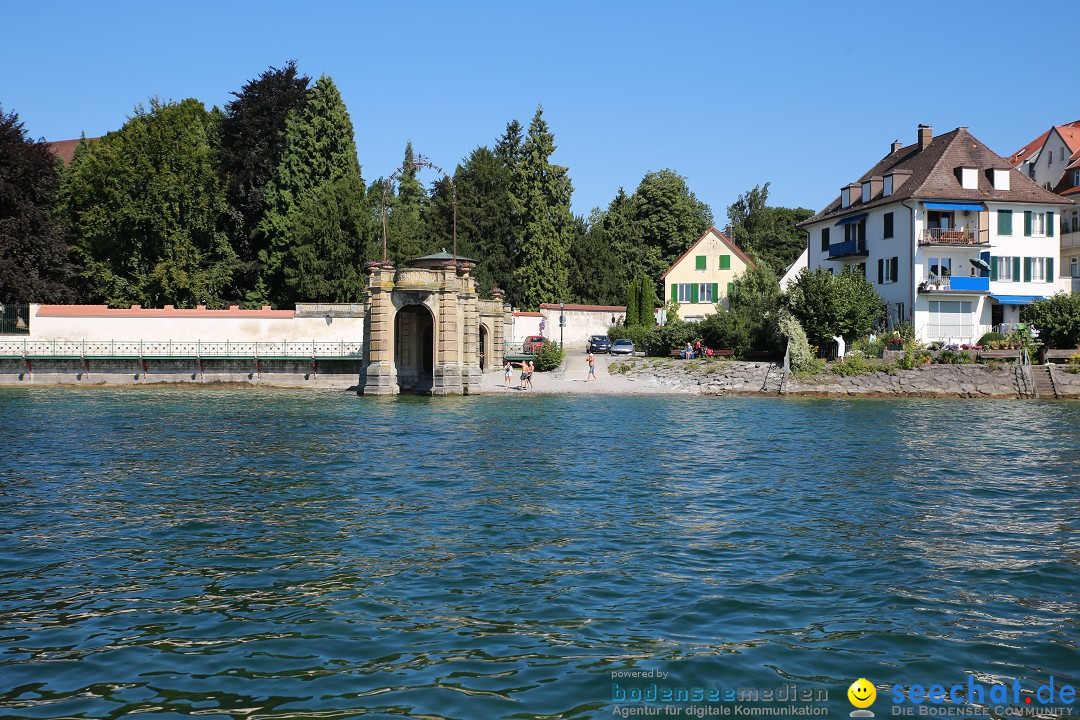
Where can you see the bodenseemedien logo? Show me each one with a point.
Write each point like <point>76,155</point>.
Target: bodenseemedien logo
<point>862,694</point>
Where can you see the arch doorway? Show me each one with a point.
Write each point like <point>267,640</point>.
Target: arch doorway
<point>485,351</point>
<point>414,348</point>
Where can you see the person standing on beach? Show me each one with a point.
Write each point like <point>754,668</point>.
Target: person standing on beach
<point>528,377</point>
<point>592,367</point>
<point>508,370</point>
<point>524,374</point>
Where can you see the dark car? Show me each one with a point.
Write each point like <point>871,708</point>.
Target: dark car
<point>599,344</point>
<point>622,347</point>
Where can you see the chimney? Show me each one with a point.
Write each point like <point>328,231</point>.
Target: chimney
<point>897,146</point>
<point>926,135</point>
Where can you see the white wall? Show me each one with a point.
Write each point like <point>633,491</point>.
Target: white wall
<point>90,323</point>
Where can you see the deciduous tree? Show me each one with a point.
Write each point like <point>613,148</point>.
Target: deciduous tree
<point>768,233</point>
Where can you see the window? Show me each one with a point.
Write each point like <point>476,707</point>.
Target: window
<point>730,288</point>
<point>862,268</point>
<point>856,233</point>
<point>684,292</point>
<point>949,319</point>
<point>845,197</point>
<point>1061,150</point>
<point>1075,225</point>
<point>940,267</point>
<point>1038,269</point>
<point>888,225</point>
<point>1004,269</point>
<point>888,270</point>
<point>1031,169</point>
<point>969,178</point>
<point>699,262</point>
<point>825,239</point>
<point>1049,159</point>
<point>866,192</point>
<point>1074,268</point>
<point>899,312</point>
<point>705,293</point>
<point>1074,178</point>
<point>1004,222</point>
<point>725,262</point>
<point>1038,224</point>
<point>887,189</point>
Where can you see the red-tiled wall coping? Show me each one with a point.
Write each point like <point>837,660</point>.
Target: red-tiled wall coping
<point>589,308</point>
<point>522,313</point>
<point>137,311</point>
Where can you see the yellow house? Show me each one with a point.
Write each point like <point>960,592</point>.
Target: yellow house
<point>704,274</point>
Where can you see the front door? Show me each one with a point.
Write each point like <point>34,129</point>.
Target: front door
<point>997,315</point>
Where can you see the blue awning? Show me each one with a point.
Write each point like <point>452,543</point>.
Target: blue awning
<point>952,206</point>
<point>852,219</point>
<point>1016,299</point>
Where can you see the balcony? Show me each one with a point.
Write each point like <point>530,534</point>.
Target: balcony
<point>954,237</point>
<point>957,284</point>
<point>848,248</point>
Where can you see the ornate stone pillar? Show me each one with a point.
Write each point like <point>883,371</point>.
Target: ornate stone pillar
<point>378,374</point>
<point>447,379</point>
<point>470,314</point>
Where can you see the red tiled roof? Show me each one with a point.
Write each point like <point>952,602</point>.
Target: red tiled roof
<point>588,308</point>
<point>934,177</point>
<point>525,313</point>
<point>65,149</point>
<point>1025,152</point>
<point>1070,133</point>
<point>168,311</point>
<point>723,238</point>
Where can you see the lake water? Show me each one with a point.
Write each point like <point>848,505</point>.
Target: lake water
<point>249,554</point>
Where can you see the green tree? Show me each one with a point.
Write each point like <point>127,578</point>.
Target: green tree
<point>541,198</point>
<point>595,267</point>
<point>252,140</point>
<point>145,205</point>
<point>319,148</point>
<point>756,292</point>
<point>668,219</point>
<point>768,233</point>
<point>34,262</point>
<point>828,305</point>
<point>407,236</point>
<point>1057,319</point>
<point>332,236</point>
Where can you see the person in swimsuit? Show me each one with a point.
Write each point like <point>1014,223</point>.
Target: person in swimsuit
<point>507,372</point>
<point>528,378</point>
<point>592,367</point>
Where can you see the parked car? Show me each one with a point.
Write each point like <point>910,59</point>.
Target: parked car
<point>532,344</point>
<point>622,347</point>
<point>599,344</point>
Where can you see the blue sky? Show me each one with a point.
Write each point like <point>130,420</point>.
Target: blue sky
<point>803,95</point>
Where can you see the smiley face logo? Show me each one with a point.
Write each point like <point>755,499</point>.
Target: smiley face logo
<point>862,693</point>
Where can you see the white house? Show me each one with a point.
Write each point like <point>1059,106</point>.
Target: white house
<point>952,236</point>
<point>1053,161</point>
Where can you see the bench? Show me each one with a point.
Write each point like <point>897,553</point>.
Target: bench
<point>716,353</point>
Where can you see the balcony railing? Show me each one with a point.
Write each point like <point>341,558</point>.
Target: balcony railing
<point>955,236</point>
<point>954,284</point>
<point>847,248</point>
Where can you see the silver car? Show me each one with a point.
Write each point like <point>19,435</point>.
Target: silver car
<point>622,347</point>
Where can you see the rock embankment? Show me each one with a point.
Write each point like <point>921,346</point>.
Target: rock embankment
<point>722,377</point>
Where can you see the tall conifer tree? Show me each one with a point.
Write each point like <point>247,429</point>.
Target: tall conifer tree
<point>541,198</point>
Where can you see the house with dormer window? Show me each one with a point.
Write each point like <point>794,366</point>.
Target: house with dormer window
<point>704,275</point>
<point>954,239</point>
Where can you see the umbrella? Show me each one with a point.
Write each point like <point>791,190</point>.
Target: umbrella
<point>980,263</point>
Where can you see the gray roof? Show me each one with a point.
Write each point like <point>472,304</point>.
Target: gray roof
<point>934,177</point>
<point>441,255</point>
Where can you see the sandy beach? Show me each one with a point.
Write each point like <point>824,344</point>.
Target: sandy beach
<point>570,378</point>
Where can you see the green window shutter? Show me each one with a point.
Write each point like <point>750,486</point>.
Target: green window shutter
<point>1027,269</point>
<point>1027,223</point>
<point>880,271</point>
<point>1050,270</point>
<point>725,262</point>
<point>895,269</point>
<point>1049,224</point>
<point>715,288</point>
<point>1004,222</point>
<point>730,287</point>
<point>675,293</point>
<point>699,262</point>
<point>1016,269</point>
<point>993,267</point>
<point>693,292</point>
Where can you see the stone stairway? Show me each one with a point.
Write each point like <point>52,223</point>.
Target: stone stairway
<point>1044,382</point>
<point>774,376</point>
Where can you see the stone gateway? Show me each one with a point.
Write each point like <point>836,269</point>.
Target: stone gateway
<point>426,330</point>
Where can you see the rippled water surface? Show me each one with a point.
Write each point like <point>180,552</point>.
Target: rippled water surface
<point>240,553</point>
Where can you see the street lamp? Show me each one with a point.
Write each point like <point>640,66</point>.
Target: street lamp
<point>562,321</point>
